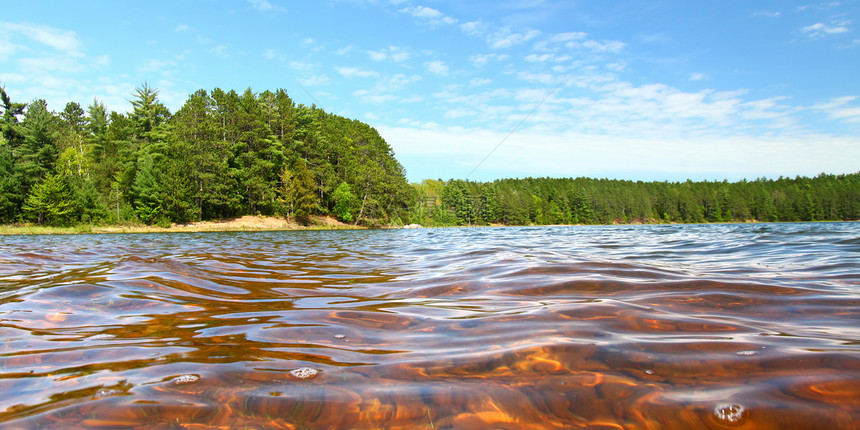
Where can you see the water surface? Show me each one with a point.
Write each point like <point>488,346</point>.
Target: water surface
<point>667,326</point>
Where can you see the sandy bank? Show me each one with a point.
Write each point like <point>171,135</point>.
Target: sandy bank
<point>245,223</point>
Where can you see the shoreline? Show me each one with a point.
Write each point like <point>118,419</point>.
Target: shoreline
<point>244,223</point>
<point>269,223</point>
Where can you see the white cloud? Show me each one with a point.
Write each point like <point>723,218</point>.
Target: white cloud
<point>422,12</point>
<point>101,61</point>
<point>820,29</point>
<point>698,76</point>
<point>476,82</point>
<point>474,28</point>
<point>272,54</point>
<point>428,14</point>
<point>353,72</point>
<point>220,50</point>
<point>392,53</point>
<point>152,65</point>
<point>506,39</point>
<point>316,80</point>
<point>65,41</point>
<point>534,58</point>
<point>49,64</point>
<point>840,108</point>
<point>437,67</point>
<point>373,97</point>
<point>617,66</point>
<point>301,65</point>
<point>483,59</point>
<point>604,46</point>
<point>459,113</point>
<point>396,82</point>
<point>377,55</point>
<point>567,37</point>
<point>182,27</point>
<point>266,6</point>
<point>767,14</point>
<point>540,58</point>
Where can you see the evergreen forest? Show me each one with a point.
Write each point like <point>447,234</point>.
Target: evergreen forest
<point>224,154</point>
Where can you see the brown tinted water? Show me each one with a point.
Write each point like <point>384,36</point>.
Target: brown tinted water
<point>639,327</point>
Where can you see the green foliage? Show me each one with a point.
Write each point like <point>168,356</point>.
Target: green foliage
<point>538,201</point>
<point>304,192</point>
<point>50,202</point>
<point>345,202</point>
<point>148,191</point>
<point>10,187</point>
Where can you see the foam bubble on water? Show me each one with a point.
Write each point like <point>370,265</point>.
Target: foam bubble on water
<point>747,353</point>
<point>340,336</point>
<point>304,372</point>
<point>729,413</point>
<point>105,392</point>
<point>185,379</point>
<point>103,336</point>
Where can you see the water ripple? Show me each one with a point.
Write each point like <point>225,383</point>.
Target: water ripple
<point>695,326</point>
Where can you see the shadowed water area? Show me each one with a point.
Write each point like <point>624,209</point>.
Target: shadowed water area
<point>666,326</point>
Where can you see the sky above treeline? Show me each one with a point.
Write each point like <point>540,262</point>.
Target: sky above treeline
<point>488,89</point>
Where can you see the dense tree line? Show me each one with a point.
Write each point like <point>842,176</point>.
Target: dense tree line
<point>223,154</point>
<point>544,201</point>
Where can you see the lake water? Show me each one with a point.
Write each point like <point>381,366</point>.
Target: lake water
<point>664,326</point>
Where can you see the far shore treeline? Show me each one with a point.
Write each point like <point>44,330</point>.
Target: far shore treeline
<point>224,154</point>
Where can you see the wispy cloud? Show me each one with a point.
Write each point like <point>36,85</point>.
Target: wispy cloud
<point>220,50</point>
<point>373,97</point>
<point>541,58</point>
<point>820,29</point>
<point>315,81</point>
<point>767,14</point>
<point>392,53</point>
<point>152,65</point>
<point>354,72</point>
<point>272,54</point>
<point>505,38</point>
<point>437,67</point>
<point>841,108</point>
<point>266,6</point>
<point>64,41</point>
<point>474,28</point>
<point>301,65</point>
<point>604,45</point>
<point>483,59</point>
<point>428,14</point>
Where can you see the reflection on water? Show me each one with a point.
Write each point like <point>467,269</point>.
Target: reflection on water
<point>709,326</point>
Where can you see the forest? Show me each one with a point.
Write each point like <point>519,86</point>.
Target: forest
<point>221,155</point>
<point>225,154</point>
<point>545,201</point>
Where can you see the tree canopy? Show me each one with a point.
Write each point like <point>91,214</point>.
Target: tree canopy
<point>542,201</point>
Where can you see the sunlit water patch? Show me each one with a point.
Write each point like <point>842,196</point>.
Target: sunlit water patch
<point>666,326</point>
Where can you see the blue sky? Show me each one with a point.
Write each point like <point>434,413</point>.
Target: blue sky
<point>650,90</point>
